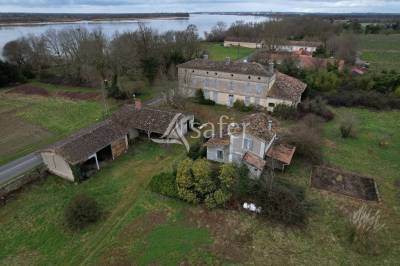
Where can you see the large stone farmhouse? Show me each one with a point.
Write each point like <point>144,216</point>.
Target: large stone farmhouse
<point>227,82</point>
<point>252,142</point>
<point>83,153</point>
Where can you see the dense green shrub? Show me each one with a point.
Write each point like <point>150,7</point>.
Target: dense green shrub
<point>198,182</point>
<point>10,74</point>
<point>369,99</point>
<point>241,106</point>
<point>285,112</point>
<point>164,184</point>
<point>318,107</point>
<point>81,212</point>
<point>197,150</point>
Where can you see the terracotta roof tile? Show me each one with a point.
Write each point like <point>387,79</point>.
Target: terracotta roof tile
<point>287,88</point>
<point>147,119</point>
<point>232,67</point>
<point>254,160</point>
<point>257,125</point>
<point>282,153</point>
<point>79,146</point>
<point>217,141</point>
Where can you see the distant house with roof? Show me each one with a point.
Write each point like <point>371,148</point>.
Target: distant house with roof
<point>302,60</point>
<point>227,82</point>
<point>83,153</point>
<point>253,142</point>
<point>298,46</point>
<point>308,47</point>
<point>243,42</point>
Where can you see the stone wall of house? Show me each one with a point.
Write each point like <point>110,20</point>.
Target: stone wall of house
<point>57,165</point>
<point>238,84</point>
<point>212,154</point>
<point>296,48</point>
<point>119,147</point>
<point>219,87</point>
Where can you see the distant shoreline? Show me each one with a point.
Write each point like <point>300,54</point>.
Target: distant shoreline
<point>26,19</point>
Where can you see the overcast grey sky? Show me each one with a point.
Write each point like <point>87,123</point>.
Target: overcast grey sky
<point>131,6</point>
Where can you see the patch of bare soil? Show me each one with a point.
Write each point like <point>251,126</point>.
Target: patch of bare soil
<point>349,184</point>
<point>232,236</point>
<point>29,90</point>
<point>118,255</point>
<point>86,96</point>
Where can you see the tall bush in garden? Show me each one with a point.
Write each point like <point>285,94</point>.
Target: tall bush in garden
<point>204,182</point>
<point>198,183</point>
<point>185,182</point>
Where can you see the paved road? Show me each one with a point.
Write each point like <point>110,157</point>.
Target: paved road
<point>19,167</point>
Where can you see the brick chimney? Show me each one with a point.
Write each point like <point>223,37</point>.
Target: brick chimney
<point>138,104</point>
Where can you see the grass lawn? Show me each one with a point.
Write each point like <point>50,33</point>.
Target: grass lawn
<point>143,228</point>
<point>382,51</point>
<point>217,51</point>
<point>29,122</point>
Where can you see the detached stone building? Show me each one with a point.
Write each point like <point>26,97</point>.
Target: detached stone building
<point>227,82</point>
<point>81,154</point>
<point>252,142</point>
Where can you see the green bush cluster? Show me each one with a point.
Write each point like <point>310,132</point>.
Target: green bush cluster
<point>82,211</point>
<point>318,107</point>
<point>164,184</point>
<point>285,112</point>
<point>198,182</point>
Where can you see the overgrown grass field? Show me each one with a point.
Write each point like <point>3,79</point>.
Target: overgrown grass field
<point>29,122</point>
<point>217,51</point>
<point>382,51</point>
<point>143,228</point>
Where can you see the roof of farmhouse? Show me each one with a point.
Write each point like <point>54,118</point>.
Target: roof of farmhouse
<point>146,119</point>
<point>78,147</point>
<point>229,67</point>
<point>258,125</point>
<point>304,43</point>
<point>287,88</point>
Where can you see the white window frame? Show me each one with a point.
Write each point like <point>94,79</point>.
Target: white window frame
<point>247,144</point>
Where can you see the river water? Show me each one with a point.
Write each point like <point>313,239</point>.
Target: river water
<point>204,22</point>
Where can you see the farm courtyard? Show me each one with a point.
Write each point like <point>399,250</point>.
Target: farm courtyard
<point>141,228</point>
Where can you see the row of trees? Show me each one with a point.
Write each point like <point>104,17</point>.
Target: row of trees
<point>82,57</point>
<point>275,29</point>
